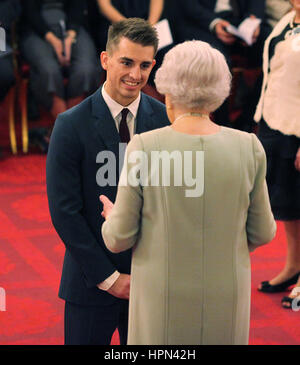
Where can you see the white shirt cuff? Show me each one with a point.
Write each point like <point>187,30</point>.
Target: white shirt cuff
<point>213,24</point>
<point>108,283</point>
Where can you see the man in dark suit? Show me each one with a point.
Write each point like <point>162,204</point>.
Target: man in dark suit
<point>207,20</point>
<point>85,142</point>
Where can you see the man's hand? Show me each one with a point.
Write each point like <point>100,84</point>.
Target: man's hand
<point>121,287</point>
<point>222,34</point>
<point>297,160</point>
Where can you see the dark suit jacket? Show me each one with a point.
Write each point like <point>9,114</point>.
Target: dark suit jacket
<point>79,135</point>
<point>188,17</point>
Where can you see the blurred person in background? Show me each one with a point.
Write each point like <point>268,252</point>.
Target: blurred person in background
<point>57,47</point>
<point>207,20</point>
<point>278,115</point>
<point>275,10</point>
<point>9,12</point>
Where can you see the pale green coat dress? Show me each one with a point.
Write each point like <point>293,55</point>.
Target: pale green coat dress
<point>191,274</point>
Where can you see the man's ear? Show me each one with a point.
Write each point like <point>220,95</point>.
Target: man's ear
<point>104,59</point>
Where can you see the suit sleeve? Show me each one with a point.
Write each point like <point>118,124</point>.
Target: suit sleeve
<point>75,14</point>
<point>64,189</point>
<point>192,10</point>
<point>256,8</point>
<point>121,229</point>
<point>260,226</point>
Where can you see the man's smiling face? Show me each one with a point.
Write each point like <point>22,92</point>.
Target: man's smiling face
<point>128,67</point>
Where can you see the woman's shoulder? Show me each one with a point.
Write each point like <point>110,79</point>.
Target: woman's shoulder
<point>237,134</point>
<point>248,143</point>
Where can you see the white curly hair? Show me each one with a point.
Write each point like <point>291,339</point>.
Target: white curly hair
<point>194,75</point>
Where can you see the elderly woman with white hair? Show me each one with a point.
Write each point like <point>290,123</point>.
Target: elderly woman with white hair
<point>192,201</point>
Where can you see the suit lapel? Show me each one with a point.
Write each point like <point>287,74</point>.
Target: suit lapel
<point>104,124</point>
<point>105,128</point>
<point>144,120</point>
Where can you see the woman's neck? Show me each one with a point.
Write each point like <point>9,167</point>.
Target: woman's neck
<point>195,123</point>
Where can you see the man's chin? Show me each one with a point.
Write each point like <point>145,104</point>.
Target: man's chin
<point>132,94</point>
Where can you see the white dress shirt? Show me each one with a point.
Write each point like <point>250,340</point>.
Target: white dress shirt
<point>115,109</point>
<point>222,5</point>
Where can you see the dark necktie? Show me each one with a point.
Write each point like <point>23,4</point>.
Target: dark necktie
<point>235,8</point>
<point>123,128</point>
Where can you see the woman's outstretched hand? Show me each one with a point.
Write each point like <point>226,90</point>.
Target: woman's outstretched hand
<point>107,206</point>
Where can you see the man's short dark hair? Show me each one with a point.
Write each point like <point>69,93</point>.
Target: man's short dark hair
<point>136,30</point>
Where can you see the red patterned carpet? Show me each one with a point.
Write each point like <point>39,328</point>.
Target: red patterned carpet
<point>31,257</point>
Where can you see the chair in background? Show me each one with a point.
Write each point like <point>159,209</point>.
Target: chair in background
<point>11,102</point>
<point>18,92</point>
<point>23,78</point>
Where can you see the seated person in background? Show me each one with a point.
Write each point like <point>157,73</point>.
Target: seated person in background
<point>206,20</point>
<point>213,17</point>
<point>221,13</point>
<point>9,11</point>
<point>56,45</point>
